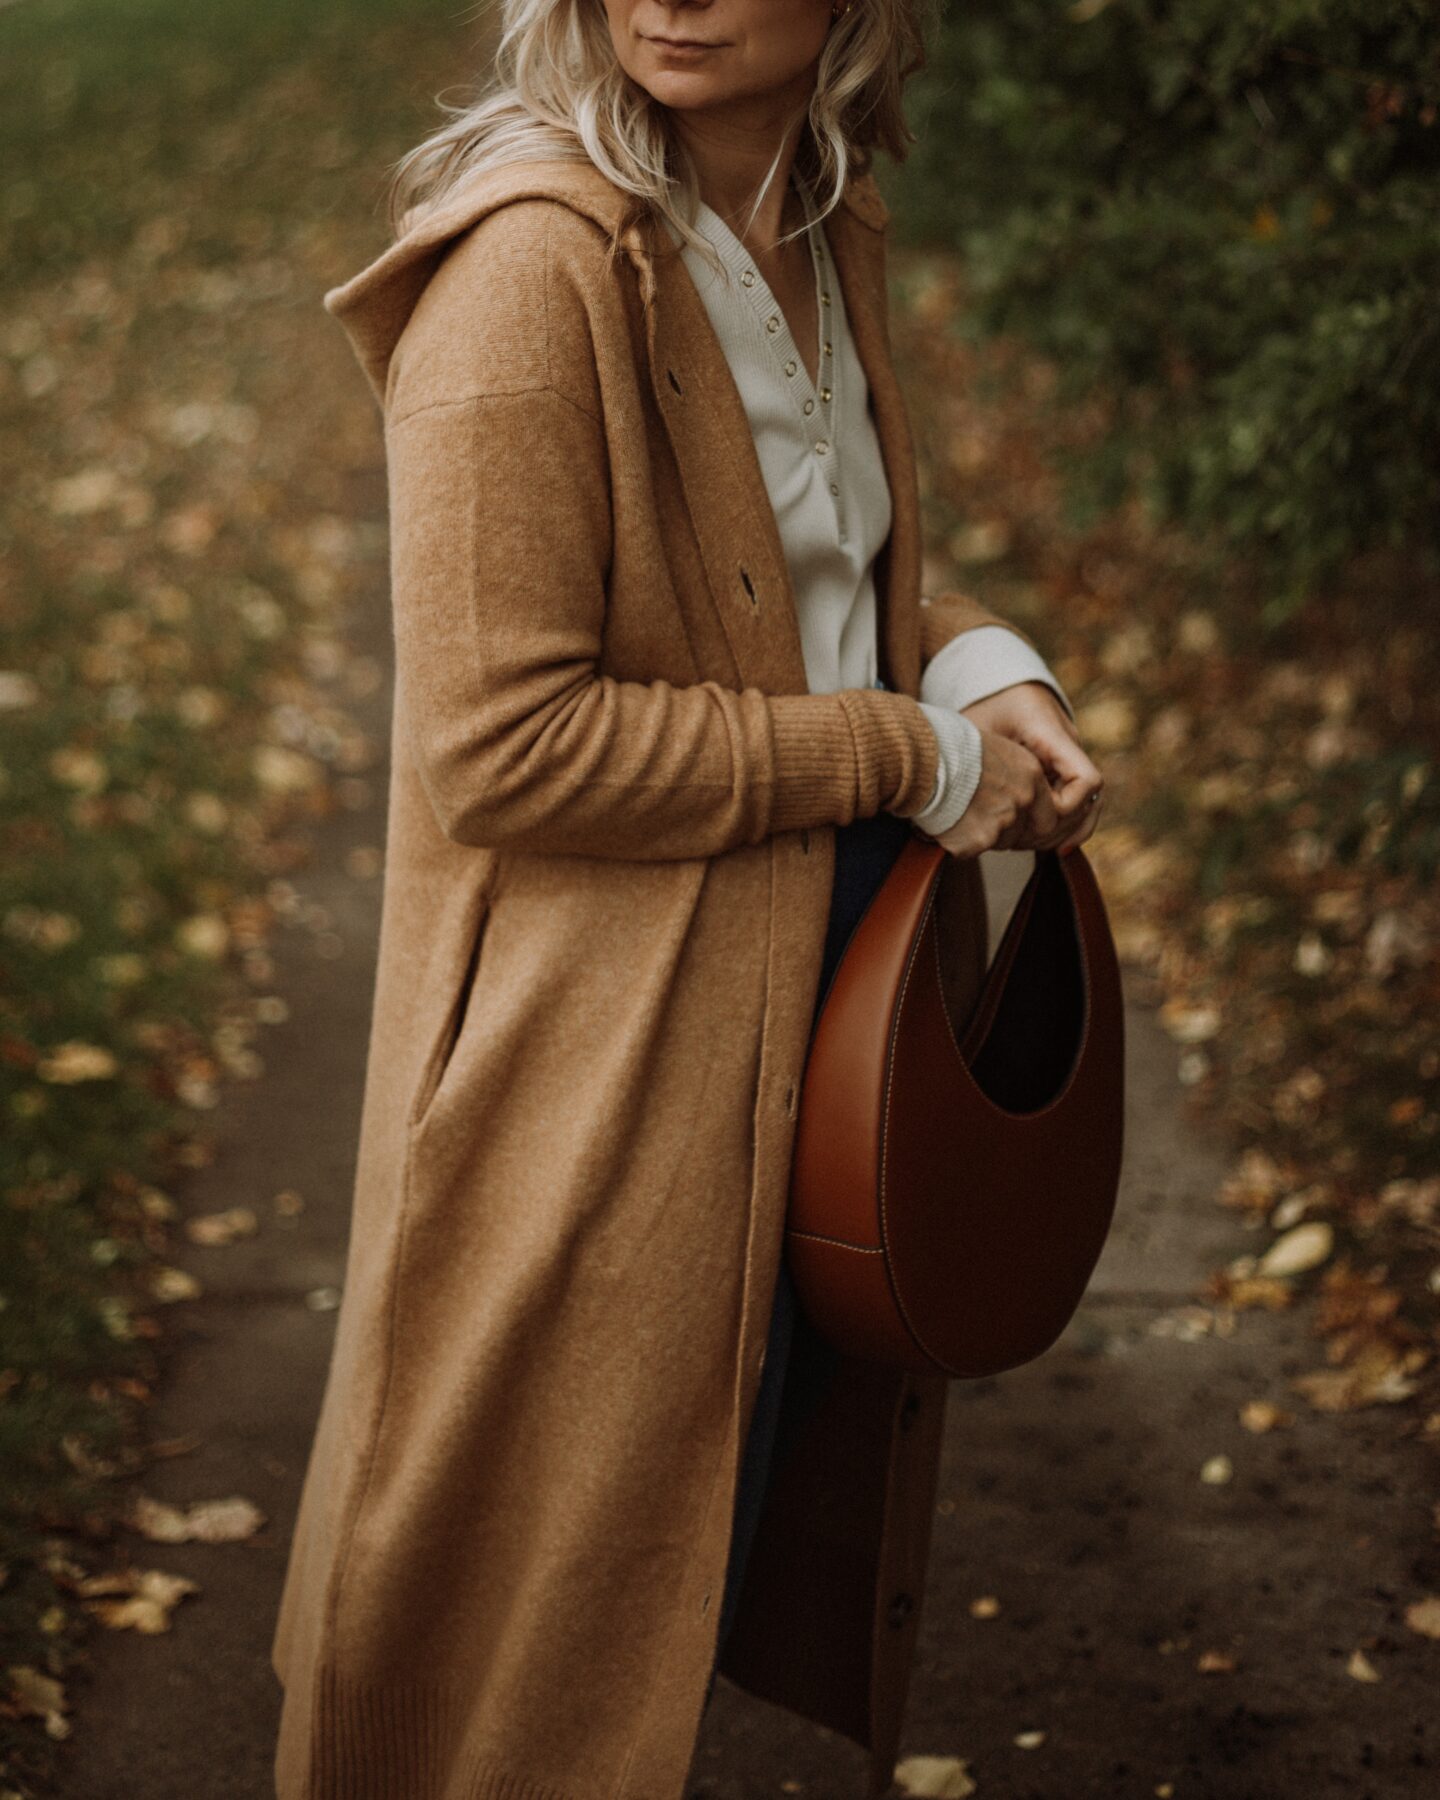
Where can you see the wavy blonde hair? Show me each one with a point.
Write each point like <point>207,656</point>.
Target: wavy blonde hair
<point>557,90</point>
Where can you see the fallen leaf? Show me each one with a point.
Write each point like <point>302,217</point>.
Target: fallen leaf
<point>1189,1024</point>
<point>1215,1662</point>
<point>1375,1377</point>
<point>39,1696</point>
<point>1361,1668</point>
<point>168,1284</point>
<point>985,1607</point>
<point>1424,1616</point>
<point>1215,1471</point>
<point>1243,1292</point>
<point>76,1061</point>
<point>1028,1740</point>
<point>1264,1415</point>
<point>1303,1247</point>
<point>1109,724</point>
<point>222,1227</point>
<point>204,1521</point>
<point>934,1778</point>
<point>149,1597</point>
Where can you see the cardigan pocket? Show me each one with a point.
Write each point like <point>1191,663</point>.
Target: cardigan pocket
<point>447,1037</point>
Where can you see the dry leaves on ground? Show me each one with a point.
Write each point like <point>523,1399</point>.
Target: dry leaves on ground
<point>934,1778</point>
<point>147,1598</point>
<point>204,1521</point>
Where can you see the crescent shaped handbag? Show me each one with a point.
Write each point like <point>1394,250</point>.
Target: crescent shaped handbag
<point>954,1178</point>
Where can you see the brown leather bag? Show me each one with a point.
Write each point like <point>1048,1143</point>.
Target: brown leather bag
<point>954,1179</point>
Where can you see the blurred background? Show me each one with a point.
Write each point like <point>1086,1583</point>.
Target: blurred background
<point>1164,285</point>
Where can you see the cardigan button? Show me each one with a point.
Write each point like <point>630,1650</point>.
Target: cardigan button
<point>899,1611</point>
<point>790,366</point>
<point>748,278</point>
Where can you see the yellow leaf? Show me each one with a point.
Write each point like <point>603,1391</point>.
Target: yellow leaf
<point>934,1778</point>
<point>204,1521</point>
<point>1264,1415</point>
<point>1424,1615</point>
<point>77,1061</point>
<point>174,1284</point>
<point>1304,1247</point>
<point>37,1694</point>
<point>1108,724</point>
<point>222,1227</point>
<point>149,1596</point>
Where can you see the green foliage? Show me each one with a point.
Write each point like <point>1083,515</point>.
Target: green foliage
<point>177,186</point>
<point>1220,216</point>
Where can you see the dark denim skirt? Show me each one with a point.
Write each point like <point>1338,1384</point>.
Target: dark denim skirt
<point>865,852</point>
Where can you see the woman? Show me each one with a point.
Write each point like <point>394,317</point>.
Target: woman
<point>656,741</point>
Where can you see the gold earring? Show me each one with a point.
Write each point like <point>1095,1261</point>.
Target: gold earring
<point>839,12</point>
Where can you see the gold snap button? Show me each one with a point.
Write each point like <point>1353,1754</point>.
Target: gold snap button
<point>833,488</point>
<point>821,447</point>
<point>790,368</point>
<point>809,407</point>
<point>748,278</point>
<point>825,394</point>
<point>772,323</point>
<point>827,349</point>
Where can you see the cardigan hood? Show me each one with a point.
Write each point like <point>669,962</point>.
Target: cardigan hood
<point>375,305</point>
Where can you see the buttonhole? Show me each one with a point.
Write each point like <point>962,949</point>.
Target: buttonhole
<point>899,1611</point>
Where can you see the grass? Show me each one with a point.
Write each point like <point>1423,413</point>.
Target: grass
<point>192,505</point>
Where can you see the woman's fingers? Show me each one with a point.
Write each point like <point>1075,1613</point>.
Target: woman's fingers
<point>1073,791</point>
<point>1030,716</point>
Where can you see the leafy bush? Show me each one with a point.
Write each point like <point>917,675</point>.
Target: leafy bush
<point>1219,217</point>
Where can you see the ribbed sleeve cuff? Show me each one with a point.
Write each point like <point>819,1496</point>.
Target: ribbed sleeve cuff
<point>961,756</point>
<point>850,755</point>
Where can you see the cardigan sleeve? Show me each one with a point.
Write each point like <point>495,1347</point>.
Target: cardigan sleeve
<point>500,547</point>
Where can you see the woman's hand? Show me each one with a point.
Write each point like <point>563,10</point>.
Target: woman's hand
<point>1038,789</point>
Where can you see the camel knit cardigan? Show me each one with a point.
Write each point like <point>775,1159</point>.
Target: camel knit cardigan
<point>608,866</point>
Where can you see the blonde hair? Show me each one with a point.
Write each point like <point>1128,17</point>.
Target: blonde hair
<point>557,90</point>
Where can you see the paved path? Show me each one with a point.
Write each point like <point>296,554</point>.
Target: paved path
<point>1071,1489</point>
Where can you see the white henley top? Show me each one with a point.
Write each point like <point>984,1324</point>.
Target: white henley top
<point>822,466</point>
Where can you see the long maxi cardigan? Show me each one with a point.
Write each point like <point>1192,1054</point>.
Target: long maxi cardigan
<point>607,879</point>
